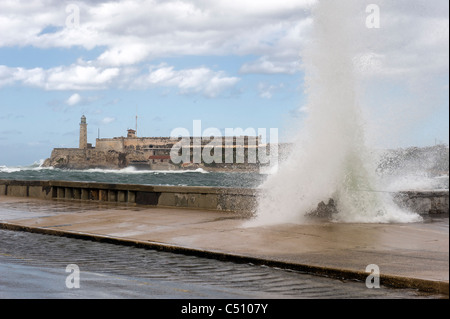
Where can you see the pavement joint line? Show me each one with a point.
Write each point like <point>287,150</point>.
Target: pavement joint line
<point>392,281</point>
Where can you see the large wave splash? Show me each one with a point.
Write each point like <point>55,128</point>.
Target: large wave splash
<point>330,159</point>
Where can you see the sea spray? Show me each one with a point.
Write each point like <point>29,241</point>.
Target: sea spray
<point>330,159</point>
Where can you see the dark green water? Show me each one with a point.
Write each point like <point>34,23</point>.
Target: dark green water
<point>130,176</point>
<point>192,178</point>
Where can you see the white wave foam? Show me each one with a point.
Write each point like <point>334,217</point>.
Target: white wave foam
<point>37,166</point>
<point>132,170</point>
<point>127,170</point>
<point>416,182</point>
<point>6,169</point>
<point>198,170</point>
<point>271,170</point>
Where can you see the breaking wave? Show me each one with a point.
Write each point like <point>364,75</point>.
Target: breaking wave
<point>132,170</point>
<point>36,166</point>
<point>131,175</point>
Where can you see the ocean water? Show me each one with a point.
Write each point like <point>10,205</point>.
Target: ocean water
<point>199,177</point>
<point>129,175</point>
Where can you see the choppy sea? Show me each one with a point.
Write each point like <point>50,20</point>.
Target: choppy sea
<point>197,177</point>
<point>130,175</point>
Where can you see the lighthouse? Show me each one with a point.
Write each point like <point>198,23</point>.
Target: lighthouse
<point>83,133</point>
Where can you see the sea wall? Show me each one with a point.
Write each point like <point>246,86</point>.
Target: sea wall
<point>424,202</point>
<point>207,198</point>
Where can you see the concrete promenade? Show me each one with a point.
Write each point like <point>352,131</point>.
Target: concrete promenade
<point>408,255</point>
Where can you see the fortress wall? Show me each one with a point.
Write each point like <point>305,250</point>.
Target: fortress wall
<point>121,143</point>
<point>61,155</point>
<point>145,142</point>
<point>74,158</point>
<point>107,144</point>
<point>423,202</point>
<point>207,198</point>
<point>68,151</point>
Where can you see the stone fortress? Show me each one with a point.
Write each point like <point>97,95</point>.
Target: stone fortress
<point>149,153</point>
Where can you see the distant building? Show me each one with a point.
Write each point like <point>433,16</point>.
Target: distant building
<point>154,153</point>
<point>131,133</point>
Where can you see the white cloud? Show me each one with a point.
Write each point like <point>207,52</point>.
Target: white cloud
<point>198,80</point>
<point>77,77</point>
<point>5,76</point>
<point>411,43</point>
<point>133,31</point>
<point>74,77</point>
<point>125,55</point>
<point>108,120</point>
<point>412,40</point>
<point>74,99</point>
<point>266,91</point>
<point>266,66</point>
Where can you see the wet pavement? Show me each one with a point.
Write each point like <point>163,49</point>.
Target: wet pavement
<point>416,252</point>
<point>34,266</point>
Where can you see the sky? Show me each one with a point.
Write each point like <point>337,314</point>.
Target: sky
<point>230,64</point>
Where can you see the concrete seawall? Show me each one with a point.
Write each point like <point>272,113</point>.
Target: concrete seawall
<point>204,198</point>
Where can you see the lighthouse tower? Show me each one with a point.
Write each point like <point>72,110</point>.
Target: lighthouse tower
<point>83,133</point>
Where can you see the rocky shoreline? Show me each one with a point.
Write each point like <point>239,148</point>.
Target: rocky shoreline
<point>80,159</point>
